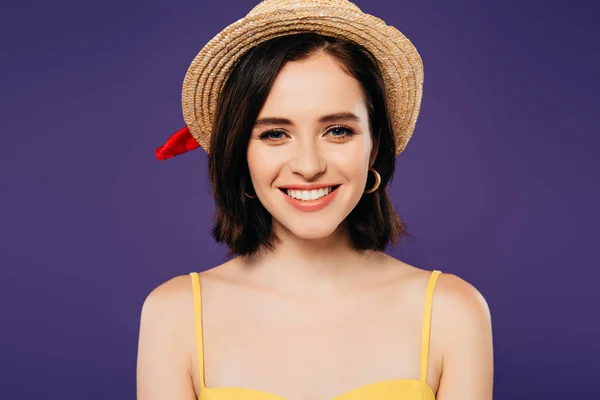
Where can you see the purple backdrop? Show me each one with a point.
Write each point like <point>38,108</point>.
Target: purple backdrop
<point>499,184</point>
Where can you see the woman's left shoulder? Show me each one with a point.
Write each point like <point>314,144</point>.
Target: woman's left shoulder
<point>453,296</point>
<point>455,292</point>
<point>459,306</point>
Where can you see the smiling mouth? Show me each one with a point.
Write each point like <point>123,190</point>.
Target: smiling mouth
<point>309,195</point>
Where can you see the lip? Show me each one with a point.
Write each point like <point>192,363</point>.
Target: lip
<point>308,186</point>
<point>310,205</point>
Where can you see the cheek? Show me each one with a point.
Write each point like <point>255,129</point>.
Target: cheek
<point>262,165</point>
<point>353,161</point>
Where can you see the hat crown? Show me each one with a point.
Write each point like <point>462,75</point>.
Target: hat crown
<point>276,5</point>
<point>398,60</point>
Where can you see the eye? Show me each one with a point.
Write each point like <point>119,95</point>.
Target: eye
<point>340,132</point>
<point>273,135</point>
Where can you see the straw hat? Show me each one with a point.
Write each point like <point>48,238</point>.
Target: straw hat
<point>398,60</point>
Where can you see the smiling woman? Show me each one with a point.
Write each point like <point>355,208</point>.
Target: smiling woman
<point>302,127</point>
<point>308,111</point>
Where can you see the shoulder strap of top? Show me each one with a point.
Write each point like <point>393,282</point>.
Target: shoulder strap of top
<point>427,324</point>
<point>198,322</point>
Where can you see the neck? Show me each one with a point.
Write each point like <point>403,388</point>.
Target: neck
<point>313,267</point>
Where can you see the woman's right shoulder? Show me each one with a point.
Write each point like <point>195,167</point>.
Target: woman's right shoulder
<point>167,341</point>
<point>169,298</point>
<point>179,289</point>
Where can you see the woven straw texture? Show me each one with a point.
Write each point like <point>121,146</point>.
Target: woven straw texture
<point>398,60</point>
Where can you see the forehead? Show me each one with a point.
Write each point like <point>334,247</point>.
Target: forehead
<point>314,86</point>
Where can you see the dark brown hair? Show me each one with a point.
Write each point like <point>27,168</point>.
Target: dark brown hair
<point>243,224</point>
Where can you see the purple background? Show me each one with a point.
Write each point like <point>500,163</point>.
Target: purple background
<point>499,184</point>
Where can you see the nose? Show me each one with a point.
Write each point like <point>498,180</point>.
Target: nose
<point>308,161</point>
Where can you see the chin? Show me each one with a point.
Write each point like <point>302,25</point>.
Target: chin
<point>313,234</point>
<point>311,231</point>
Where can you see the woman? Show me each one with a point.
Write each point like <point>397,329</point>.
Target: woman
<point>302,125</point>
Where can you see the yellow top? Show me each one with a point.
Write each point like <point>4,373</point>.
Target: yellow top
<point>397,389</point>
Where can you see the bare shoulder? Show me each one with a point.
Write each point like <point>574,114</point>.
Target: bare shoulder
<point>460,308</point>
<point>459,296</point>
<point>165,341</point>
<point>168,308</point>
<point>462,322</point>
<point>169,298</point>
<point>458,305</point>
<point>176,295</point>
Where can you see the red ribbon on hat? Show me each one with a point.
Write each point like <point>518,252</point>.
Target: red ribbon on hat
<point>181,142</point>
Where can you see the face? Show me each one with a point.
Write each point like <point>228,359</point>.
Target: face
<point>310,147</point>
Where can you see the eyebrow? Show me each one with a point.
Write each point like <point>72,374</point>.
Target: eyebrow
<point>341,116</point>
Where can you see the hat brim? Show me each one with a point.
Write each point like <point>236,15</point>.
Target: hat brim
<point>400,64</point>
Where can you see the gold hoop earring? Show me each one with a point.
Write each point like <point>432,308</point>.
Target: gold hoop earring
<point>377,181</point>
<point>250,196</point>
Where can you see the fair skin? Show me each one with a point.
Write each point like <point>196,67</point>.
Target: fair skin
<point>319,318</point>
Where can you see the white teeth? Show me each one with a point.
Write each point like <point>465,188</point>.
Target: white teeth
<point>307,195</point>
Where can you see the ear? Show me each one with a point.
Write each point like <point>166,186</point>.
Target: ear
<point>374,150</point>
